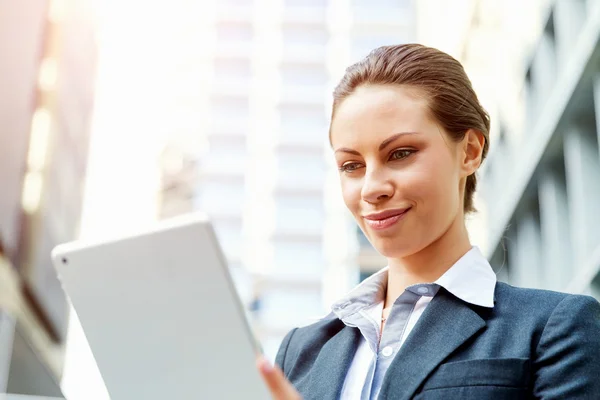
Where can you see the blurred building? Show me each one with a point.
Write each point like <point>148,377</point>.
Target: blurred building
<point>263,172</point>
<point>542,174</point>
<point>534,66</point>
<point>46,75</point>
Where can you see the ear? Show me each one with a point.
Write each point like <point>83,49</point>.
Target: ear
<point>472,154</point>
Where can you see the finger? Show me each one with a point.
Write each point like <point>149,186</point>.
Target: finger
<point>279,386</point>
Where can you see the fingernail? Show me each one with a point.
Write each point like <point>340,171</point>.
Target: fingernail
<point>265,366</point>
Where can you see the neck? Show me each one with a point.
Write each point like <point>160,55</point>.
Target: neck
<point>428,264</point>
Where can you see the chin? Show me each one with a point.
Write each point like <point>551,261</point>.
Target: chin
<point>394,248</point>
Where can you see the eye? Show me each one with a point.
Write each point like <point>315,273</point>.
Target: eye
<point>401,154</point>
<point>350,167</point>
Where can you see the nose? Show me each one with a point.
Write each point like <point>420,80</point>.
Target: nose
<point>376,187</point>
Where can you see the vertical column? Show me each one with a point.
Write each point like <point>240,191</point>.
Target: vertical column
<point>259,212</point>
<point>596,94</point>
<point>513,245</point>
<point>340,242</point>
<point>528,251</point>
<point>582,167</point>
<point>532,104</point>
<point>259,208</point>
<point>555,228</point>
<point>544,67</point>
<point>569,17</point>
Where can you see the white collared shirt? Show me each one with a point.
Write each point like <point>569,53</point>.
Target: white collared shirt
<point>471,279</point>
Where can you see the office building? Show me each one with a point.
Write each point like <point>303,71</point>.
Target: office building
<point>47,78</point>
<point>542,176</point>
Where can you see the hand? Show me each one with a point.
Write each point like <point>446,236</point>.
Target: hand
<point>279,386</point>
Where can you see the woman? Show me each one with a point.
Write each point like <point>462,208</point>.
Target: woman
<point>408,135</point>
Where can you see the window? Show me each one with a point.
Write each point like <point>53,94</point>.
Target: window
<point>381,5</point>
<point>310,12</point>
<point>230,108</point>
<point>226,154</point>
<point>373,40</point>
<point>236,2</point>
<point>221,197</point>
<point>386,11</point>
<point>305,3</point>
<point>298,258</point>
<point>363,43</point>
<point>303,124</point>
<point>297,74</point>
<point>234,32</point>
<point>287,307</point>
<point>305,35</point>
<point>297,213</point>
<point>232,69</point>
<point>300,169</point>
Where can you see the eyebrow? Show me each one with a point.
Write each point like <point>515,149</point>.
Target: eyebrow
<point>382,146</point>
<point>389,140</point>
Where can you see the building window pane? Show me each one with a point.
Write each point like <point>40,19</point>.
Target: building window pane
<point>301,124</point>
<point>232,68</point>
<point>227,108</point>
<point>297,74</point>
<point>226,154</point>
<point>311,35</point>
<point>298,258</point>
<point>300,169</point>
<point>278,304</point>
<point>306,3</point>
<point>298,213</point>
<point>234,32</point>
<point>221,197</point>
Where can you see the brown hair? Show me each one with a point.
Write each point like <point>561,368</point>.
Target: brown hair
<point>452,100</point>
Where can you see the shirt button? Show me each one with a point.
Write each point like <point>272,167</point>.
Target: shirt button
<point>422,289</point>
<point>387,351</point>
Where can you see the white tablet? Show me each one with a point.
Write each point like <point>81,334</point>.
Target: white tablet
<point>161,314</point>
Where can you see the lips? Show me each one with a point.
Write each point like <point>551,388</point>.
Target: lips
<point>385,219</point>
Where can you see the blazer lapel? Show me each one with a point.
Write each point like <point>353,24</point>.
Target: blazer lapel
<point>445,324</point>
<point>329,370</point>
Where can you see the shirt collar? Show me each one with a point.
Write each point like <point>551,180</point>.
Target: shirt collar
<point>471,279</point>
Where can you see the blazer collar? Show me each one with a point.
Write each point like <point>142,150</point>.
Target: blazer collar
<point>331,366</point>
<point>446,324</point>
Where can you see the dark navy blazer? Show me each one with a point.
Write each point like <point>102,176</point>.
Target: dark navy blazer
<point>532,344</point>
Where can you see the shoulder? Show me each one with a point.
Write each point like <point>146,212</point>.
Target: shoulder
<point>307,340</point>
<point>543,300</point>
<point>315,333</point>
<point>546,304</point>
<point>566,349</point>
<point>506,292</point>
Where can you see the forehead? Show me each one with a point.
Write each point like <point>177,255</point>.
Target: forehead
<point>378,111</point>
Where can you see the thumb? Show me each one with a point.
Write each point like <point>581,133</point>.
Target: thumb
<point>279,386</point>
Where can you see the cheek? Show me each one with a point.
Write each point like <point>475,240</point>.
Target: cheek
<point>431,183</point>
<point>351,192</point>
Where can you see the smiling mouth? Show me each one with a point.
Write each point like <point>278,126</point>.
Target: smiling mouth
<point>385,220</point>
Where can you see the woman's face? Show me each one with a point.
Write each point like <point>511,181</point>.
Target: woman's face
<point>400,173</point>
